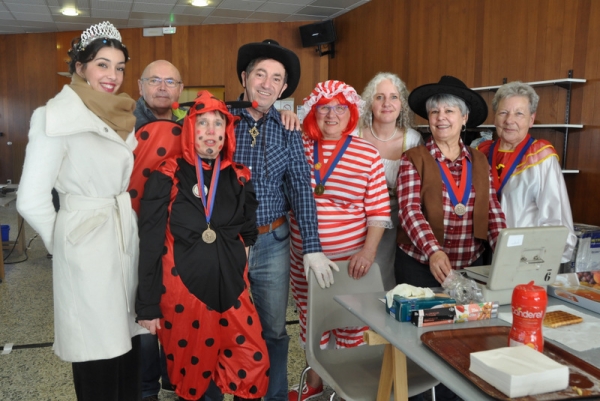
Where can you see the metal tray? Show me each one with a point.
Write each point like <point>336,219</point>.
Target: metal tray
<point>455,347</point>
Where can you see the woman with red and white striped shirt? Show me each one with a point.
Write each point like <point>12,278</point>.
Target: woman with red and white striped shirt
<point>353,206</point>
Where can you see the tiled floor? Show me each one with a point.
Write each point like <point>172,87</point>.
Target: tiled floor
<point>31,371</point>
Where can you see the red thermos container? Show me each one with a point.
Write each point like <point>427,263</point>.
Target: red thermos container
<point>529,303</point>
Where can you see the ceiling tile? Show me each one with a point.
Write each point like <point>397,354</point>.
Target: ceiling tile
<point>27,8</point>
<point>165,2</point>
<point>219,20</point>
<point>152,8</point>
<point>56,13</point>
<point>11,30</point>
<point>335,3</point>
<point>294,2</point>
<point>310,18</point>
<point>27,14</point>
<point>279,8</point>
<point>37,29</point>
<point>12,23</point>
<point>145,23</point>
<point>231,13</point>
<point>33,17</point>
<point>149,16</point>
<point>268,17</point>
<point>240,5</point>
<point>112,5</point>
<point>30,2</point>
<point>189,10</point>
<point>318,11</point>
<point>109,14</point>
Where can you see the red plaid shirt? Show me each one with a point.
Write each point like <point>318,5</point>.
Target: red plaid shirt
<point>459,244</point>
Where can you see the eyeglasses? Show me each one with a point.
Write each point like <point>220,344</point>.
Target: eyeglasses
<point>169,82</point>
<point>338,109</point>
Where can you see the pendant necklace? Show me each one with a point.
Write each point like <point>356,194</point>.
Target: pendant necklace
<point>254,132</point>
<point>459,194</point>
<point>209,236</point>
<point>323,170</point>
<point>382,140</point>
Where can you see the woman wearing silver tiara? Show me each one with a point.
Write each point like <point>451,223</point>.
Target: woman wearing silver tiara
<point>387,124</point>
<point>81,143</point>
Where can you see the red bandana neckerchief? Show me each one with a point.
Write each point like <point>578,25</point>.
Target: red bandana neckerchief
<point>509,161</point>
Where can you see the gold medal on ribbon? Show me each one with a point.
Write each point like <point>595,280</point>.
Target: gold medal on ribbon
<point>209,236</point>
<point>460,209</point>
<point>320,189</point>
<point>318,166</point>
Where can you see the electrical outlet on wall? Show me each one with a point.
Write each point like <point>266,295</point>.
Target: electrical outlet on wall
<point>9,181</point>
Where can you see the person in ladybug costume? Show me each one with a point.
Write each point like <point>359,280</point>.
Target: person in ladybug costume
<point>197,219</point>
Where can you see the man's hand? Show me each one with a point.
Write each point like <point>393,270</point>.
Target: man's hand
<point>290,120</point>
<point>322,266</point>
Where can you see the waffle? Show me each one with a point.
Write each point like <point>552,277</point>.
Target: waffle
<point>560,318</point>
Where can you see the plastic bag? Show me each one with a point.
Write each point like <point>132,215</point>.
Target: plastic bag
<point>462,289</point>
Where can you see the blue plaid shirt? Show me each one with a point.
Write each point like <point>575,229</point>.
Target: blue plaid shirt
<point>279,173</point>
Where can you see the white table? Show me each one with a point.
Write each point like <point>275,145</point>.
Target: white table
<point>407,338</point>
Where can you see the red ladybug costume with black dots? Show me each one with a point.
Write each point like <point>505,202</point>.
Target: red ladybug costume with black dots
<point>199,290</point>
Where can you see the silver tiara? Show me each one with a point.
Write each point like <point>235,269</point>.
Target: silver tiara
<point>102,30</point>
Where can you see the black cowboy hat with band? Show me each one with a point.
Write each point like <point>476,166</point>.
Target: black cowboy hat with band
<point>270,48</point>
<point>478,109</point>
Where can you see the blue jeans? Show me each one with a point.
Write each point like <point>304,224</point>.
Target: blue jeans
<point>153,365</point>
<point>269,273</point>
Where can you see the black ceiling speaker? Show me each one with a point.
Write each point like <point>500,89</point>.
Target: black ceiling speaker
<point>317,34</point>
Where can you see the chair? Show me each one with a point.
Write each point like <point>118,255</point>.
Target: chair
<point>353,373</point>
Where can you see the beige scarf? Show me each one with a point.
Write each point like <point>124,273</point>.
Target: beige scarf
<point>115,110</point>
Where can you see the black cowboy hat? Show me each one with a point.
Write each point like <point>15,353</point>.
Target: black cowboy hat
<point>270,48</point>
<point>478,109</point>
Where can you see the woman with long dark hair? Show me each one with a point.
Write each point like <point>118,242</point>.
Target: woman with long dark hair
<point>81,144</point>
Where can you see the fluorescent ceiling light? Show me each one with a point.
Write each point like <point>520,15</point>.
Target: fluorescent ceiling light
<point>200,3</point>
<point>70,11</point>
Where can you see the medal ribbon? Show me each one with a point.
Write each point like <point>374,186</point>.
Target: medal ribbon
<point>511,163</point>
<point>323,173</point>
<point>462,191</point>
<point>208,206</point>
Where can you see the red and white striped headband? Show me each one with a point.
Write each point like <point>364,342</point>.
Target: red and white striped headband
<point>328,90</point>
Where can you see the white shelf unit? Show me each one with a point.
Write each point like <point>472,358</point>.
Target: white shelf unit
<point>565,83</point>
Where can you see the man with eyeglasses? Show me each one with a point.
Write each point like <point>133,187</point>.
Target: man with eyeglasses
<point>160,86</point>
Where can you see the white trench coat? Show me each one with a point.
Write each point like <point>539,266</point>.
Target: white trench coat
<point>93,238</point>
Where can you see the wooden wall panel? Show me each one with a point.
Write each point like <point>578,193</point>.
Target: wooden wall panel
<point>27,82</point>
<point>205,55</point>
<point>482,42</point>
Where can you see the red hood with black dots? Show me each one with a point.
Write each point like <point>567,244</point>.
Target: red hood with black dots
<point>205,102</point>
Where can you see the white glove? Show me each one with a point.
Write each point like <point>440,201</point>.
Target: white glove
<point>322,266</point>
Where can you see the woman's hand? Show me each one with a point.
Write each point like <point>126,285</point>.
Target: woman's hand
<point>360,263</point>
<point>290,120</point>
<point>440,266</point>
<point>151,325</point>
